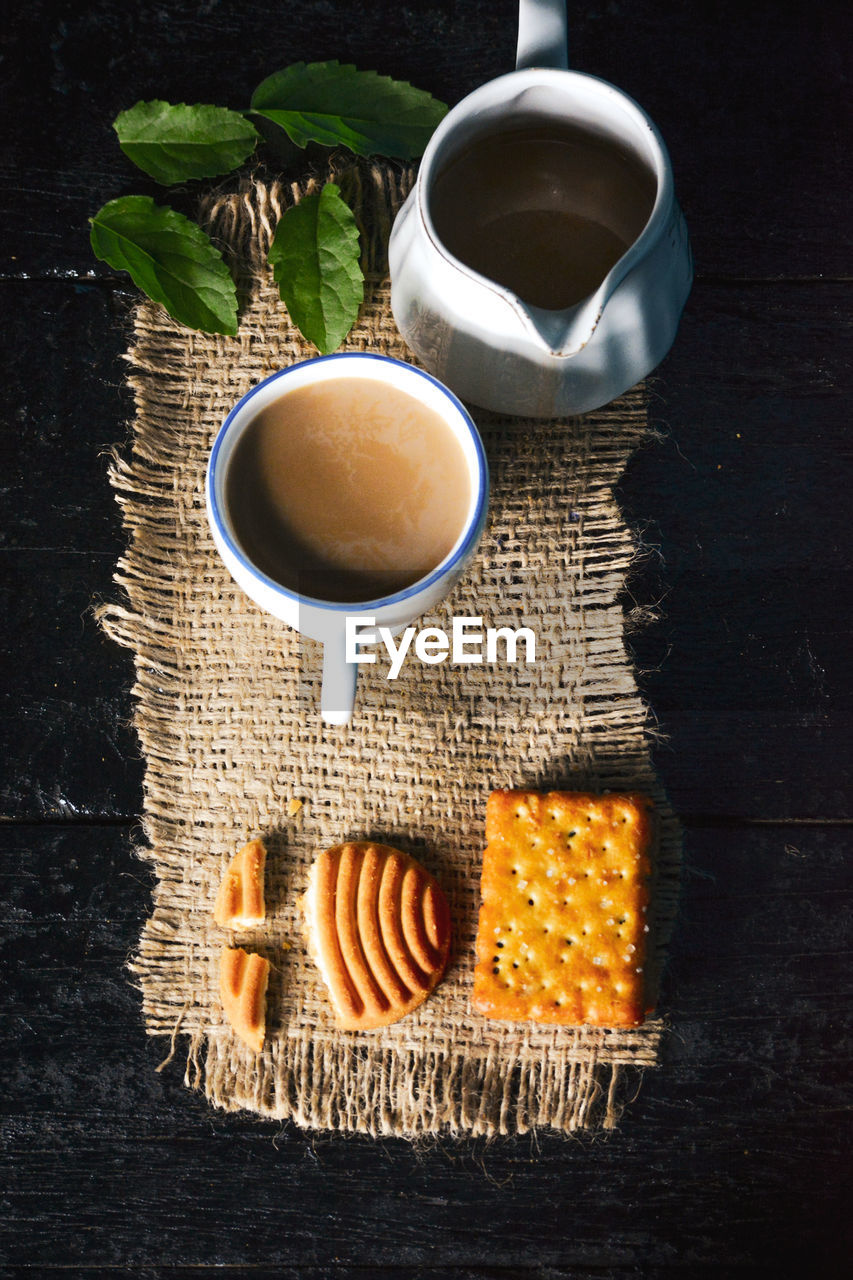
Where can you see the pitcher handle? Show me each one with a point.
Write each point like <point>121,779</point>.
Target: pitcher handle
<point>543,34</point>
<point>339,678</point>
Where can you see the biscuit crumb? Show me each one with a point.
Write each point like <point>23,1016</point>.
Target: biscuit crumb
<point>293,807</point>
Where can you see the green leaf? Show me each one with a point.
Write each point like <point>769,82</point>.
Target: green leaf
<point>170,259</point>
<point>315,263</point>
<point>336,105</point>
<point>177,142</point>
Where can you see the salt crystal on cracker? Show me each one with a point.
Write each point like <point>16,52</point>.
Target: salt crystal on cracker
<point>562,927</point>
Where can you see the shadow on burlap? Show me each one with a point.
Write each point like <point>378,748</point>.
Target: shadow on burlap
<point>227,715</point>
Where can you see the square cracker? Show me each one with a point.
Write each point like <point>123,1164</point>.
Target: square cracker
<point>562,931</point>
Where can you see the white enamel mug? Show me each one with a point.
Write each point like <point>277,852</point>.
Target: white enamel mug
<point>326,620</point>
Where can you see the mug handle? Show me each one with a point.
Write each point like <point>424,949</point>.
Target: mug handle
<point>543,35</point>
<point>339,676</point>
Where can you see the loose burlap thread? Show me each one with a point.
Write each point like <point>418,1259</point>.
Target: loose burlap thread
<point>227,713</point>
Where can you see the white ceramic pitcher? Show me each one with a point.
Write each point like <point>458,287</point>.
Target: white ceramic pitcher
<point>481,339</point>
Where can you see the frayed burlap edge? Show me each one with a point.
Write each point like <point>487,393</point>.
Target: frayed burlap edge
<point>384,1093</point>
<point>580,1084</point>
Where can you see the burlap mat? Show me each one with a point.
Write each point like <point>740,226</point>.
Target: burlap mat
<point>227,711</point>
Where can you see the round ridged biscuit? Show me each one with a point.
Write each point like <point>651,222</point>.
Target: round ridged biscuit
<point>379,928</point>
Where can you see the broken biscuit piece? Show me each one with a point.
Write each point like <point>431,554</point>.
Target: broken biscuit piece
<point>563,922</point>
<point>243,978</point>
<point>378,926</point>
<point>240,901</point>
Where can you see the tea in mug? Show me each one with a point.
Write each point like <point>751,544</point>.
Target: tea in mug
<point>347,490</point>
<point>545,211</point>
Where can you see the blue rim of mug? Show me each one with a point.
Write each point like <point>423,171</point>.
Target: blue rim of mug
<point>473,528</point>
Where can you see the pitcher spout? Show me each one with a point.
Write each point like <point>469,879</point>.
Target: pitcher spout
<point>565,333</point>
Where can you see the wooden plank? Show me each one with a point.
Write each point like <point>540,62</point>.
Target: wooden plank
<point>364,1272</point>
<point>68,749</point>
<point>753,105</point>
<point>370,1271</point>
<point>732,1207</point>
<point>733,1154</point>
<point>78,68</point>
<point>755,109</point>
<point>67,404</point>
<point>743,508</point>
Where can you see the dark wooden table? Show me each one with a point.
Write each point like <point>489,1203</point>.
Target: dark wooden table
<point>734,1159</point>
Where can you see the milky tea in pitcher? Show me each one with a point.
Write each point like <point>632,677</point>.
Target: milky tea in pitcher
<point>544,210</point>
